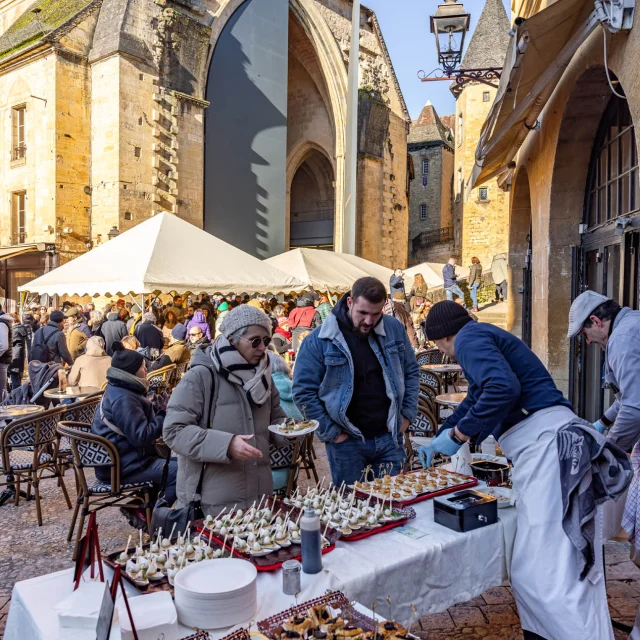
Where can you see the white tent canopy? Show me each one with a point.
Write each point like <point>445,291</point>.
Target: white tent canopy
<point>164,254</point>
<point>431,272</point>
<point>328,270</point>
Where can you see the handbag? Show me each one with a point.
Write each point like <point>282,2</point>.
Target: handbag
<point>164,516</point>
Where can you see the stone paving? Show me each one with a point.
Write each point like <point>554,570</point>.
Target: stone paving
<point>27,550</point>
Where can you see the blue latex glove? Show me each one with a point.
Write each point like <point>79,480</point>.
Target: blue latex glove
<point>598,426</point>
<point>442,443</point>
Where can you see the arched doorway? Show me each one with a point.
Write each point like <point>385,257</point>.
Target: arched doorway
<point>312,203</point>
<point>609,247</point>
<point>520,308</point>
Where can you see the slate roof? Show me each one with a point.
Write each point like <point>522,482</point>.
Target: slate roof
<point>488,45</point>
<point>429,128</point>
<point>31,27</point>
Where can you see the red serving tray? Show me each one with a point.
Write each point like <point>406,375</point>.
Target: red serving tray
<point>472,482</point>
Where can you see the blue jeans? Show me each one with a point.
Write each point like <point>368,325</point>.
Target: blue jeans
<point>474,294</point>
<point>348,459</point>
<point>454,289</point>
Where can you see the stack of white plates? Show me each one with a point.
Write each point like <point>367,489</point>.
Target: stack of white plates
<point>216,593</point>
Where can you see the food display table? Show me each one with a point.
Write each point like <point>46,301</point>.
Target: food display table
<point>451,399</point>
<point>432,568</point>
<point>71,393</point>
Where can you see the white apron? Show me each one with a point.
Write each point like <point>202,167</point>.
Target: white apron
<point>551,599</point>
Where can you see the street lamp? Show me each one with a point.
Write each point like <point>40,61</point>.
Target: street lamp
<point>450,20</point>
<point>114,233</point>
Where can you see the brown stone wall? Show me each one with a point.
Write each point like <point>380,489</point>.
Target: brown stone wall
<point>431,195</point>
<point>556,159</point>
<point>481,228</point>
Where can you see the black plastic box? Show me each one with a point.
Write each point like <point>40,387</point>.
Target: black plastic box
<point>465,510</point>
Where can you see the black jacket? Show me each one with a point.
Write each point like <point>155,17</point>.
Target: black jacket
<point>149,335</point>
<point>57,345</point>
<point>113,330</point>
<point>369,406</point>
<point>125,405</point>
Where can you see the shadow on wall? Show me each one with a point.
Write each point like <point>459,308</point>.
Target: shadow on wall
<point>246,130</point>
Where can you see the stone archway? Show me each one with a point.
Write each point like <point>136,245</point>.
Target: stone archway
<point>553,246</point>
<point>312,203</point>
<point>519,238</point>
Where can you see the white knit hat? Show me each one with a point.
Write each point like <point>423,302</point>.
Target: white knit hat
<point>244,316</point>
<point>581,308</point>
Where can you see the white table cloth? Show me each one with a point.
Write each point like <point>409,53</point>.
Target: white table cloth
<point>433,572</point>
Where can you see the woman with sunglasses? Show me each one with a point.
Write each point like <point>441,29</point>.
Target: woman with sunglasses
<point>219,415</point>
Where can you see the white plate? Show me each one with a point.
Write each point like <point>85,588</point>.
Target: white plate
<point>501,493</point>
<point>275,428</point>
<point>224,575</point>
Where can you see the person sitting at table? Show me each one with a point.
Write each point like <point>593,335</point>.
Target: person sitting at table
<point>170,321</point>
<point>148,332</point>
<point>90,369</point>
<point>177,352</point>
<point>128,419</point>
<point>218,417</point>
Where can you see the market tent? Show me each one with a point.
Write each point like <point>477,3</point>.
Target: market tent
<point>164,254</point>
<point>328,270</point>
<point>431,272</point>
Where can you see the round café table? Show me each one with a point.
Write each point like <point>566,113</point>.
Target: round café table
<point>71,393</point>
<point>14,411</point>
<point>451,399</point>
<point>446,370</point>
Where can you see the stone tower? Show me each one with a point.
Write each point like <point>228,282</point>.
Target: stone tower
<point>430,146</point>
<point>481,218</point>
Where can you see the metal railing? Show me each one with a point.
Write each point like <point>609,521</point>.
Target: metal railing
<point>19,152</point>
<point>430,238</point>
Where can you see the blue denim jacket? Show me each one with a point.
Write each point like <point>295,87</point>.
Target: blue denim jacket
<point>323,377</point>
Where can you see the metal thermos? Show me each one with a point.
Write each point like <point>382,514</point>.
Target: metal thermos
<point>311,541</point>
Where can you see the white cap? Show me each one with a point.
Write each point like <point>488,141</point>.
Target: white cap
<point>581,308</point>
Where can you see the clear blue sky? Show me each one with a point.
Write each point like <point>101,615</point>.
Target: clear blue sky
<point>405,26</point>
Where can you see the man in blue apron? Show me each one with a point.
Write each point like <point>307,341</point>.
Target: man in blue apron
<point>616,330</point>
<point>512,397</point>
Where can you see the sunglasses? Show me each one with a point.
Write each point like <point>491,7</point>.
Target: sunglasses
<point>255,343</point>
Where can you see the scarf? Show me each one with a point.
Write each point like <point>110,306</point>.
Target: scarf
<point>283,332</point>
<point>120,378</point>
<point>256,381</point>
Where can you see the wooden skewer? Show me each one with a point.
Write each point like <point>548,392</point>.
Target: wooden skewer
<point>172,530</point>
<point>128,543</point>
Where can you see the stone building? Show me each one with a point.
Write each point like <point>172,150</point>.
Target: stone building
<point>571,164</point>
<point>481,216</point>
<point>430,145</point>
<point>114,110</point>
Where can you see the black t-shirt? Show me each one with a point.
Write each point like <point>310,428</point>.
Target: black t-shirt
<point>369,406</point>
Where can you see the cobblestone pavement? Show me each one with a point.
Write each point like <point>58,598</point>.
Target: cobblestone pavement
<point>27,550</point>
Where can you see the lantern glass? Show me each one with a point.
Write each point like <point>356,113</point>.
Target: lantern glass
<point>449,25</point>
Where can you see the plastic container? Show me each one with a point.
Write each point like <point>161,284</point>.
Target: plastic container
<point>311,541</point>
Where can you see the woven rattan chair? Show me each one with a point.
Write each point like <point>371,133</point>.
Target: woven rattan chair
<point>180,370</point>
<point>433,380</point>
<point>91,450</point>
<point>30,454</point>
<point>160,380</point>
<point>425,424</point>
<point>286,459</point>
<point>82,411</point>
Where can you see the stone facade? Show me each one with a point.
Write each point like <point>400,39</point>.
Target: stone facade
<point>115,110</point>
<point>431,153</point>
<point>481,218</point>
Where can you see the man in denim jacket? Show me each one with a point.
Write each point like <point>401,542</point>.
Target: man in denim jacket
<point>358,377</point>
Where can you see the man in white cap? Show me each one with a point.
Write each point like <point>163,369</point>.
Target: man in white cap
<point>617,331</point>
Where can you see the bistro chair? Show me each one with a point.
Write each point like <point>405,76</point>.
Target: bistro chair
<point>160,380</point>
<point>82,411</point>
<point>424,425</point>
<point>30,454</point>
<point>285,467</point>
<point>430,356</point>
<point>91,450</point>
<point>307,453</point>
<point>433,380</point>
<point>180,370</point>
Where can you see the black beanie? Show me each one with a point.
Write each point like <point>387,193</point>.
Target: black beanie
<point>445,319</point>
<point>125,359</point>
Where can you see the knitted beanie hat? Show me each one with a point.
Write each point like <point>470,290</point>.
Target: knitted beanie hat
<point>125,359</point>
<point>242,316</point>
<point>445,319</point>
<point>179,332</point>
<point>57,317</point>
